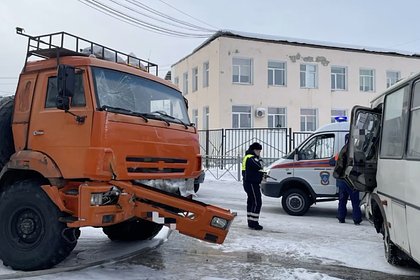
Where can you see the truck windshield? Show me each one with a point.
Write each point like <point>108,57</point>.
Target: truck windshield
<point>133,94</point>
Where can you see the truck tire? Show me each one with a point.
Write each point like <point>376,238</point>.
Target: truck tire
<point>393,254</point>
<point>7,147</point>
<point>131,230</point>
<point>32,237</point>
<point>295,202</point>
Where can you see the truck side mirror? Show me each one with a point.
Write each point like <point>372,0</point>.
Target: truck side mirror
<point>65,84</point>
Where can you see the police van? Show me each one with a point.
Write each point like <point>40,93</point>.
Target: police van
<point>304,176</point>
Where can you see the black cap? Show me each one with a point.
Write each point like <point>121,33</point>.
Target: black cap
<point>255,146</point>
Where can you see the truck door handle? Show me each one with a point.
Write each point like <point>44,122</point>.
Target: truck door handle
<point>288,173</point>
<point>38,132</point>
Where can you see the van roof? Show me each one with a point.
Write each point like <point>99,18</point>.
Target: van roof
<point>338,126</point>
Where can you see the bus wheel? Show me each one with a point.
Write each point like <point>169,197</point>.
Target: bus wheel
<point>32,237</point>
<point>131,230</point>
<point>296,202</point>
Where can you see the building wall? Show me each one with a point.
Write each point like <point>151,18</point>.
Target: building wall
<point>222,93</point>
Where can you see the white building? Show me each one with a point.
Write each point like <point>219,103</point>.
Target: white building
<point>239,80</point>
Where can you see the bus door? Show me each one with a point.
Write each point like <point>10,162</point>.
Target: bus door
<point>363,144</point>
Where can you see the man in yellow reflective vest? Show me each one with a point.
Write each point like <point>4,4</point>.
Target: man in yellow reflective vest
<point>252,175</point>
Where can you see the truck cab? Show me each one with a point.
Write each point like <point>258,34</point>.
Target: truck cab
<point>304,176</point>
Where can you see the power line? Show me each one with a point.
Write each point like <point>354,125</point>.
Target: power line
<point>156,12</point>
<point>110,11</point>
<point>188,14</point>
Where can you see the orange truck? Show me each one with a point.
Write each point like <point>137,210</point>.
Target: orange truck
<point>92,138</point>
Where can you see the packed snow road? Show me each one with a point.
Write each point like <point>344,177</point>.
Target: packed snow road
<point>314,246</point>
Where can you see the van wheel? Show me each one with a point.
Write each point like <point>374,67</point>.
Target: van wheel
<point>32,237</point>
<point>131,230</point>
<point>393,254</point>
<point>296,202</point>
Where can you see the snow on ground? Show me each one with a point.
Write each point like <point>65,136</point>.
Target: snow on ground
<point>317,235</point>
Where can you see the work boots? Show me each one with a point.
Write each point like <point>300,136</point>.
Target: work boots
<point>254,225</point>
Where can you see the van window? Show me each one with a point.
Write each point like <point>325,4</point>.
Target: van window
<point>394,124</point>
<point>319,147</point>
<point>414,133</point>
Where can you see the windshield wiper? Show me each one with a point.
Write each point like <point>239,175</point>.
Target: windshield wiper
<point>170,117</point>
<point>123,111</point>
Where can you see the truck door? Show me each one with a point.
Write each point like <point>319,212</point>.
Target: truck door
<point>363,144</point>
<point>57,133</point>
<point>313,164</point>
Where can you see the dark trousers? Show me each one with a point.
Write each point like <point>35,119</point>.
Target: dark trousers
<point>253,203</point>
<point>344,192</point>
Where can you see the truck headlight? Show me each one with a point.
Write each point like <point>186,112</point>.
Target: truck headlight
<point>96,199</point>
<point>219,222</point>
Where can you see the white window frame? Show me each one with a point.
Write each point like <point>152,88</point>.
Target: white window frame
<point>273,71</point>
<point>364,80</point>
<point>305,117</point>
<point>245,111</point>
<point>185,83</point>
<point>335,77</point>
<point>391,80</point>
<point>194,117</point>
<point>241,66</point>
<point>274,118</point>
<point>307,76</point>
<point>176,81</point>
<point>206,74</point>
<point>206,117</point>
<point>337,113</point>
<point>194,79</point>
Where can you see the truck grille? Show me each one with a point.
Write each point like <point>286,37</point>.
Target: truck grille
<point>155,165</point>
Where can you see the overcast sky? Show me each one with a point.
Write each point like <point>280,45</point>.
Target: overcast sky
<point>371,23</point>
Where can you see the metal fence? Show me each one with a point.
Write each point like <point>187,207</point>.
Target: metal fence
<point>223,149</point>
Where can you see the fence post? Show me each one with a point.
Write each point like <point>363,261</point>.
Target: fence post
<point>207,147</point>
<point>222,163</point>
<point>239,167</point>
<point>290,139</point>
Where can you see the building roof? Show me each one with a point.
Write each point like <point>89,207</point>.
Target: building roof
<point>299,42</point>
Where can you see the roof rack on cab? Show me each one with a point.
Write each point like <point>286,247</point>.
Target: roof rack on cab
<point>56,45</point>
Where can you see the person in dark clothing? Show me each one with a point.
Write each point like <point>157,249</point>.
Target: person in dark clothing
<point>344,190</point>
<point>252,176</point>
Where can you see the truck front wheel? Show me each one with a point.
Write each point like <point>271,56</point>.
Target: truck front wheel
<point>131,230</point>
<point>295,202</point>
<point>32,237</point>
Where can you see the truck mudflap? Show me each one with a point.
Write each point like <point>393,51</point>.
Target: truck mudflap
<point>88,205</point>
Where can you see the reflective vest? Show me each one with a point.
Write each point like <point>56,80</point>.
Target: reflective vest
<point>244,161</point>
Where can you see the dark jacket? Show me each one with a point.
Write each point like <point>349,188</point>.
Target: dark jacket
<point>340,165</point>
<point>253,168</point>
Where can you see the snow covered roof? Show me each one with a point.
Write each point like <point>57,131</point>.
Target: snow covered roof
<point>300,42</point>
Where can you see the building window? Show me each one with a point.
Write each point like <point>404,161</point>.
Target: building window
<point>241,116</point>
<point>392,77</point>
<point>206,74</point>
<point>276,73</point>
<point>242,70</point>
<point>195,117</point>
<point>337,113</point>
<point>308,119</point>
<point>367,79</point>
<point>194,79</point>
<point>185,83</point>
<point>276,117</point>
<point>308,76</point>
<point>176,81</point>
<point>206,117</point>
<point>338,78</point>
